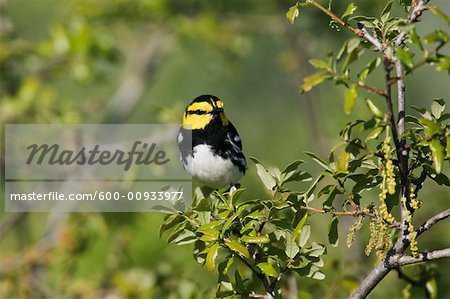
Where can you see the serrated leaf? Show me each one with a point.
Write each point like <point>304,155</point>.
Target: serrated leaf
<point>349,11</point>
<point>405,57</point>
<point>292,13</point>
<point>374,109</point>
<point>268,269</point>
<point>238,248</point>
<point>372,65</point>
<point>440,14</point>
<point>211,255</point>
<point>264,174</point>
<point>333,236</point>
<point>437,152</point>
<point>437,107</point>
<point>350,98</point>
<point>256,239</point>
<point>313,80</point>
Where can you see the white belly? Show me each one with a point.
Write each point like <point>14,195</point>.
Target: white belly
<point>211,169</point>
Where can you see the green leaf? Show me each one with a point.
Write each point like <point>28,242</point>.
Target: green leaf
<point>437,107</point>
<point>405,57</point>
<point>350,98</point>
<point>292,248</point>
<point>186,237</point>
<point>375,133</point>
<point>169,222</point>
<point>320,64</point>
<point>268,269</point>
<point>372,65</point>
<point>299,227</point>
<point>432,288</point>
<point>349,11</point>
<point>210,235</point>
<point>374,109</point>
<point>437,151</point>
<point>443,63</point>
<point>264,175</point>
<point>415,39</point>
<point>211,257</point>
<point>313,80</point>
<point>315,250</point>
<point>292,13</point>
<point>440,14</point>
<point>256,239</point>
<point>319,161</point>
<point>304,235</point>
<point>333,236</point>
<point>386,12</point>
<point>437,36</point>
<point>238,247</point>
<point>448,146</point>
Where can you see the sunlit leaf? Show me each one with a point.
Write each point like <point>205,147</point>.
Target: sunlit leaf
<point>268,269</point>
<point>313,80</point>
<point>437,151</point>
<point>255,239</point>
<point>374,109</point>
<point>264,175</point>
<point>238,248</point>
<point>211,257</point>
<point>372,65</point>
<point>405,57</point>
<point>299,227</point>
<point>349,11</point>
<point>437,107</point>
<point>386,12</point>
<point>432,288</point>
<point>292,248</point>
<point>375,133</point>
<point>415,39</point>
<point>304,235</point>
<point>320,64</point>
<point>437,36</point>
<point>350,98</point>
<point>292,13</point>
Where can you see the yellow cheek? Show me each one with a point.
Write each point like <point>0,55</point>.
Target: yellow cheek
<point>219,104</point>
<point>195,121</point>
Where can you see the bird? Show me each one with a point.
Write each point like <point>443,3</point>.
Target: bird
<point>209,145</point>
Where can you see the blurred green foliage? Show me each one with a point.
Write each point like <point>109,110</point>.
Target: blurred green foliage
<point>65,61</point>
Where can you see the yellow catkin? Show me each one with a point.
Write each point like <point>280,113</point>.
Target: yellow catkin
<point>353,230</point>
<point>388,184</point>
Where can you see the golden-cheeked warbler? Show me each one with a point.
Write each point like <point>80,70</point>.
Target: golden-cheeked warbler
<point>210,146</point>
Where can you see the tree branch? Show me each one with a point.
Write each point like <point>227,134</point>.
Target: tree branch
<point>424,257</point>
<point>433,220</point>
